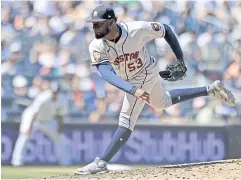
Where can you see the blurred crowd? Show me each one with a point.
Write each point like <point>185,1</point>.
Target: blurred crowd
<point>45,41</point>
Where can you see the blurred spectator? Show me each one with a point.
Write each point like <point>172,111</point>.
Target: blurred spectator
<point>45,84</point>
<point>113,101</point>
<point>20,86</point>
<point>77,99</point>
<point>21,99</point>
<point>233,72</point>
<point>99,113</point>
<point>12,65</point>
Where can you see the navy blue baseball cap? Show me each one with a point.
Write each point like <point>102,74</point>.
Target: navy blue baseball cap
<point>102,13</point>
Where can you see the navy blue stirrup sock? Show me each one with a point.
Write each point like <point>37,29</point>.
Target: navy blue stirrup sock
<point>120,137</point>
<point>180,95</point>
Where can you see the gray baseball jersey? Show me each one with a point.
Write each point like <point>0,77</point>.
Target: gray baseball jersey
<point>131,61</point>
<point>45,108</point>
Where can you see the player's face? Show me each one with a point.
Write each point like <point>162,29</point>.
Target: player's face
<point>101,29</point>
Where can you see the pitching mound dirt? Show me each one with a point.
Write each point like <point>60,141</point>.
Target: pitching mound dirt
<point>229,169</point>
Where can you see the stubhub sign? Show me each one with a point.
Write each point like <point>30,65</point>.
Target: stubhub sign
<point>147,145</point>
<point>174,147</point>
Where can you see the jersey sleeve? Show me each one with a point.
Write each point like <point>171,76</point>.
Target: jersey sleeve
<point>39,101</point>
<point>152,30</point>
<point>97,53</point>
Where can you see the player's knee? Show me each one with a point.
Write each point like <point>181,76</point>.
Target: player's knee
<point>166,101</point>
<point>125,121</point>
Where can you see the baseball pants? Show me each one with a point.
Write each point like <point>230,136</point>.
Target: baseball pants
<point>21,143</point>
<point>150,81</point>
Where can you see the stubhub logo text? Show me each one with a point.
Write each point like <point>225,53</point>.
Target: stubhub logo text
<point>144,146</point>
<point>147,145</point>
<point>179,147</point>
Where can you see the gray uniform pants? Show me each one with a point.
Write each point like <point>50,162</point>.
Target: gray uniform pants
<point>20,146</point>
<point>150,81</point>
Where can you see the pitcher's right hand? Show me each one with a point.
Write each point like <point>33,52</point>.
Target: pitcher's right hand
<point>142,95</point>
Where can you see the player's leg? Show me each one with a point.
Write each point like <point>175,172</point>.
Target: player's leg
<point>44,128</point>
<point>20,145</point>
<point>53,135</point>
<point>159,98</point>
<point>59,140</point>
<point>19,149</point>
<point>131,109</point>
<point>216,90</point>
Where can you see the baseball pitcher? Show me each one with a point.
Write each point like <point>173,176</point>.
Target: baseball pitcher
<point>46,106</point>
<point>119,53</point>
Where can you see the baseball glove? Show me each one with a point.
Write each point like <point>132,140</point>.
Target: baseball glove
<point>174,71</point>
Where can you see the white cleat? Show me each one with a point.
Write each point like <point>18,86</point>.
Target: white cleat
<point>97,167</point>
<point>218,90</point>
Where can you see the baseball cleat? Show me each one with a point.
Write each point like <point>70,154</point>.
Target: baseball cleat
<point>97,167</point>
<point>218,90</point>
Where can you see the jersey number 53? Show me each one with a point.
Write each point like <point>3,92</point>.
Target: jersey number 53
<point>132,66</point>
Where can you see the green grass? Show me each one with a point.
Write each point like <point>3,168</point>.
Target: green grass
<point>10,172</point>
